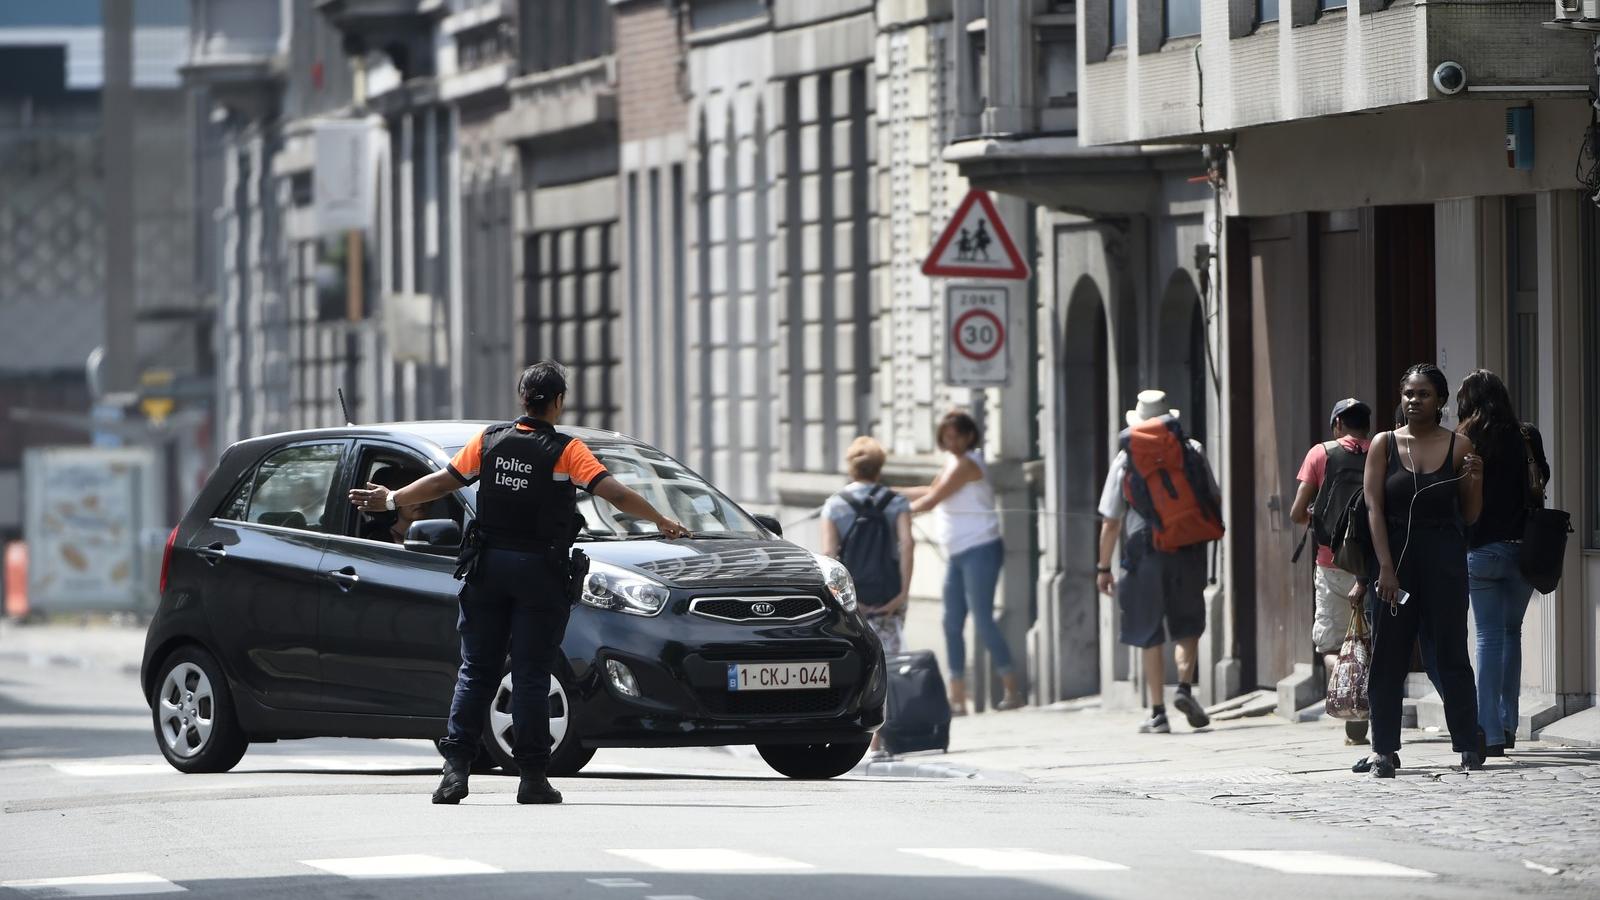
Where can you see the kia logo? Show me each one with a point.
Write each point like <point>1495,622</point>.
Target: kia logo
<point>763,609</point>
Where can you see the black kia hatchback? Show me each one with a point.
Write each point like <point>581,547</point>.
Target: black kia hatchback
<point>284,615</point>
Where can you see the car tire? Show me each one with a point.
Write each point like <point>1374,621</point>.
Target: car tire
<point>192,712</point>
<point>814,761</point>
<point>567,755</point>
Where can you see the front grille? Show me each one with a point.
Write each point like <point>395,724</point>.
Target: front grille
<point>754,610</point>
<point>772,703</point>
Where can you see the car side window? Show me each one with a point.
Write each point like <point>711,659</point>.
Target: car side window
<point>394,469</point>
<point>291,487</point>
<point>238,504</point>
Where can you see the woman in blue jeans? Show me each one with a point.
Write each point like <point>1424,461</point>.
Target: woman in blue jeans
<point>962,501</point>
<point>1499,593</point>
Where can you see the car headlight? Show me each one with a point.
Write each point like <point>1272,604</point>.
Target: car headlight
<point>838,580</point>
<point>613,587</point>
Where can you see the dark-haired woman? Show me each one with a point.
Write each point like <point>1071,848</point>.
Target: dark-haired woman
<point>1422,482</point>
<point>962,500</point>
<point>1500,594</point>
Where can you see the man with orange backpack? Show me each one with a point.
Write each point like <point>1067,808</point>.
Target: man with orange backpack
<point>1162,500</point>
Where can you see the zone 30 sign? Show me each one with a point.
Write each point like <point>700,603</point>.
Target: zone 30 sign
<point>975,346</point>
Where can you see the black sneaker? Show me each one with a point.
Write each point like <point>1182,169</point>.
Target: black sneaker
<point>1191,710</point>
<point>1364,764</point>
<point>1156,724</point>
<point>535,788</point>
<point>453,785</point>
<point>1384,768</point>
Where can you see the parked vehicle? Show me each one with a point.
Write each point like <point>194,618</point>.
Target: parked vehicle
<point>278,621</point>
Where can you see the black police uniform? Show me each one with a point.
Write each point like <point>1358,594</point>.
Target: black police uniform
<point>518,586</point>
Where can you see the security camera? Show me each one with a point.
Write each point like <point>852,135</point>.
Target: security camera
<point>1450,78</point>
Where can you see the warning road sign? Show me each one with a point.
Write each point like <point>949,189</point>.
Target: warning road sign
<point>975,344</point>
<point>975,244</point>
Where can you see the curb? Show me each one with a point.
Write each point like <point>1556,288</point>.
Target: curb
<point>65,661</point>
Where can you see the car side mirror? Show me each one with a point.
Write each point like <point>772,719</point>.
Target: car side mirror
<point>441,537</point>
<point>771,524</point>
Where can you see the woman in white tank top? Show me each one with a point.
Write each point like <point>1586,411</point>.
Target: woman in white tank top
<point>962,501</point>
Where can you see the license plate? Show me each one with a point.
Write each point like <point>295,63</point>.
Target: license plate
<point>779,676</point>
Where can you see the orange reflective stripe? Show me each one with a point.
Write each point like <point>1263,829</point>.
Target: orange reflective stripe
<point>469,458</point>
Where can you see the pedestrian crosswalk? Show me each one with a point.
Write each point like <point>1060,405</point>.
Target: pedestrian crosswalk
<point>632,863</point>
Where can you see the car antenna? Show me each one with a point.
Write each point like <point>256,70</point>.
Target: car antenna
<point>343,408</point>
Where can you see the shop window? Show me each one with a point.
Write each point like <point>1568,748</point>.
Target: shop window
<point>1522,305</point>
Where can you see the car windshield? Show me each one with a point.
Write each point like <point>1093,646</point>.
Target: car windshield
<point>670,488</point>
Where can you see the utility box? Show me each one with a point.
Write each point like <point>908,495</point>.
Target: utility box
<point>93,522</point>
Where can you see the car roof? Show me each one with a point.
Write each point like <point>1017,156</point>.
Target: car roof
<point>447,433</point>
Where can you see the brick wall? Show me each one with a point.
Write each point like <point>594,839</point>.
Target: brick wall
<point>648,55</point>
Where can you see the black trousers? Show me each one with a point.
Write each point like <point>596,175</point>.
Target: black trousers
<point>518,599</point>
<point>1435,573</point>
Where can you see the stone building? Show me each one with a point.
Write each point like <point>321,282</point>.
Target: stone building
<point>1350,246</point>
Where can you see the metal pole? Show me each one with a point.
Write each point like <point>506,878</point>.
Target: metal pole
<point>116,114</point>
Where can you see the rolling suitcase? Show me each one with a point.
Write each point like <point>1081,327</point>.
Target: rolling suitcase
<point>917,716</point>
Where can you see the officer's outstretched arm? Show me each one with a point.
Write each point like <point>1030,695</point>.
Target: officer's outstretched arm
<point>429,487</point>
<point>628,500</point>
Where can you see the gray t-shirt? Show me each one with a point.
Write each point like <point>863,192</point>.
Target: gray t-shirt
<point>839,512</point>
<point>1113,505</point>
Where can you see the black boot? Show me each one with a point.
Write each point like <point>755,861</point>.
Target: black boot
<point>453,786</point>
<point>535,788</point>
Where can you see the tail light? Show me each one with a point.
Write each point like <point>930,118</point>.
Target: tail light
<point>166,558</point>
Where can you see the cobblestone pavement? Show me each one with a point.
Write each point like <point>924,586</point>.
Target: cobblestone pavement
<point>1542,807</point>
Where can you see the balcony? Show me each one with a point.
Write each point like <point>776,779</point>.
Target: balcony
<point>235,52</point>
<point>401,29</point>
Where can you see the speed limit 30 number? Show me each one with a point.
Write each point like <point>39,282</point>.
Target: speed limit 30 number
<point>979,334</point>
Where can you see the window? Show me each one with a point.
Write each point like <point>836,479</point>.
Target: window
<point>1589,244</point>
<point>1119,23</point>
<point>394,469</point>
<point>1182,19</point>
<point>1522,305</point>
<point>1326,5</point>
<point>291,488</point>
<point>1266,11</point>
<point>669,487</point>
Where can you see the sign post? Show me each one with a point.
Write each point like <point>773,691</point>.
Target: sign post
<point>976,350</point>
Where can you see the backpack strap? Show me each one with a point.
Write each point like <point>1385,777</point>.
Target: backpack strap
<point>884,498</point>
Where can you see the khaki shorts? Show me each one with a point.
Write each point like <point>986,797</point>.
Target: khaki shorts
<point>1332,620</point>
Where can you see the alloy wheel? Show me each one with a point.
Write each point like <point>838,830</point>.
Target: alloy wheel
<point>188,710</point>
<point>500,716</point>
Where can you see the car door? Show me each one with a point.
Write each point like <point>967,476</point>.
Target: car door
<point>388,622</point>
<point>263,553</point>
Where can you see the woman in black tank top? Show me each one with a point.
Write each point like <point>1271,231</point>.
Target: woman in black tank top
<point>1423,486</point>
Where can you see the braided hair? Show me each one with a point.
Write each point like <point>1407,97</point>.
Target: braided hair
<point>1435,375</point>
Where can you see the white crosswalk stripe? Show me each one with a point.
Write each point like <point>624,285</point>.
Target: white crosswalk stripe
<point>618,882</point>
<point>413,865</point>
<point>120,884</point>
<point>1015,859</point>
<point>710,859</point>
<point>1314,862</point>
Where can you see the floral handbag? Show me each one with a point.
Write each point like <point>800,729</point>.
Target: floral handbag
<point>1347,683</point>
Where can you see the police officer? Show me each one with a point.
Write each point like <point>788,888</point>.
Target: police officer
<point>518,570</point>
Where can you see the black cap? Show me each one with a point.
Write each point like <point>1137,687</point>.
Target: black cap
<point>1344,406</point>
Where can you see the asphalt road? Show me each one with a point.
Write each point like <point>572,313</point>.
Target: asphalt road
<point>89,808</point>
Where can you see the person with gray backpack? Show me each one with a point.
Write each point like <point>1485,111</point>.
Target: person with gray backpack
<point>867,527</point>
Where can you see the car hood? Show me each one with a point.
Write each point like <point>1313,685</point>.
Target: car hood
<point>713,563</point>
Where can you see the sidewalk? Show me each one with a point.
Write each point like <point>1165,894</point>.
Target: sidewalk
<point>1541,805</point>
<point>97,644</point>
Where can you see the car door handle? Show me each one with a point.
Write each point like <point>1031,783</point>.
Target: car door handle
<point>212,553</point>
<point>346,577</point>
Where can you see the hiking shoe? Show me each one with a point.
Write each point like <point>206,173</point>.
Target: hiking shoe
<point>1156,724</point>
<point>535,788</point>
<point>1191,710</point>
<point>453,784</point>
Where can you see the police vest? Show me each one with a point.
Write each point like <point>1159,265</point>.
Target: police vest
<point>522,501</point>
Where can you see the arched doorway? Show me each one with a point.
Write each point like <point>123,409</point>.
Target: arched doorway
<point>1181,364</point>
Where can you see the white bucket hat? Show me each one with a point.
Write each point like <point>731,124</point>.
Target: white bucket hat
<point>1152,404</point>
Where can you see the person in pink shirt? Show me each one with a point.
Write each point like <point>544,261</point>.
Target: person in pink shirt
<point>1351,422</point>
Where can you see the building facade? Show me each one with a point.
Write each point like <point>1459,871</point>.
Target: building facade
<point>1343,248</point>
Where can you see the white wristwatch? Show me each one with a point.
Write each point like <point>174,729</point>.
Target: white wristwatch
<point>388,500</point>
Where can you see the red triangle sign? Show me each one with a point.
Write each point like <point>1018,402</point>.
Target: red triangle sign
<point>975,244</point>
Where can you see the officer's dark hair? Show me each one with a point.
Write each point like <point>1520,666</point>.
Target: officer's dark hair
<point>540,385</point>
